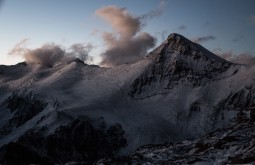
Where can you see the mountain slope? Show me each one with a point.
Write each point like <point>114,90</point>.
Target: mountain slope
<point>232,145</point>
<point>179,61</point>
<point>178,91</point>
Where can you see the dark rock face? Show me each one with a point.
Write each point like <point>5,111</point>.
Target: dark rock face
<point>115,135</point>
<point>252,114</point>
<point>23,107</point>
<point>242,99</point>
<point>69,142</point>
<point>232,145</point>
<point>29,149</point>
<point>15,153</point>
<point>178,61</point>
<point>78,142</point>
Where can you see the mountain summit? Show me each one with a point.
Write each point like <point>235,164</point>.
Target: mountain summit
<point>176,43</point>
<point>178,61</point>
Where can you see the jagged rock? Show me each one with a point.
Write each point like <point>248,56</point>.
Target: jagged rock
<point>77,141</point>
<point>231,145</point>
<point>23,107</point>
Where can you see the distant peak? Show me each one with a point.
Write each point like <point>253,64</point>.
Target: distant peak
<point>176,38</point>
<point>178,43</point>
<point>185,47</point>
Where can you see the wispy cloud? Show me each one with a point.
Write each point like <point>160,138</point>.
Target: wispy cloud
<point>126,44</point>
<point>80,51</point>
<point>204,39</point>
<point>242,58</point>
<point>237,39</point>
<point>19,48</point>
<point>51,54</point>
<point>162,35</point>
<point>156,12</point>
<point>182,27</point>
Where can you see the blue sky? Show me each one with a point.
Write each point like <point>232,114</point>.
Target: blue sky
<point>230,23</point>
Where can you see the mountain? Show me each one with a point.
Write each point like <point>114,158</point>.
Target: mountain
<point>76,112</point>
<point>179,61</point>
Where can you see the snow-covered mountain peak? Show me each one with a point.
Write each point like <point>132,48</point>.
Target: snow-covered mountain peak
<point>179,61</point>
<point>175,37</point>
<point>177,47</point>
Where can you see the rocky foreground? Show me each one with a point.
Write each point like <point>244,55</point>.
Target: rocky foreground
<point>232,145</point>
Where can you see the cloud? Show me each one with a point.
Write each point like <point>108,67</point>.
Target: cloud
<point>162,35</point>
<point>80,51</point>
<point>51,54</point>
<point>19,48</point>
<point>126,44</point>
<point>242,58</point>
<point>182,27</point>
<point>237,39</point>
<point>48,55</point>
<point>204,39</point>
<point>156,12</point>
<point>127,50</point>
<point>121,21</point>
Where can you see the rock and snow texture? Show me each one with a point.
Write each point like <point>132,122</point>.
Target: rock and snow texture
<point>232,145</point>
<point>178,91</point>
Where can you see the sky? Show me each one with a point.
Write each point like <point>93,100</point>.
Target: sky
<point>224,27</point>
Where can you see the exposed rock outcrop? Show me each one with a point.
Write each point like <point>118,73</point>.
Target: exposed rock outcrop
<point>79,141</point>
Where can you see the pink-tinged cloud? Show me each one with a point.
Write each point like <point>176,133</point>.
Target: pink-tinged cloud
<point>128,50</point>
<point>121,21</point>
<point>126,44</point>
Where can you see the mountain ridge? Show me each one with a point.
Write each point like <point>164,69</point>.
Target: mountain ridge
<point>174,93</point>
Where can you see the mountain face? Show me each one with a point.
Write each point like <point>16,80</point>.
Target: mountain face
<point>177,62</point>
<point>81,113</point>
